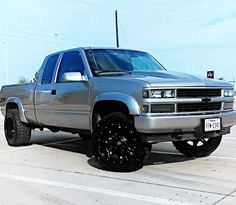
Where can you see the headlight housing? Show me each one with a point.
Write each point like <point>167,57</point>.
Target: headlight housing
<point>159,93</point>
<point>162,93</point>
<point>228,92</point>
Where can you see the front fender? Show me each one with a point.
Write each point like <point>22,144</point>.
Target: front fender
<point>128,100</point>
<point>17,101</point>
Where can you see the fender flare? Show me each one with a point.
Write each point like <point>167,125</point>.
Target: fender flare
<point>128,100</point>
<point>17,101</point>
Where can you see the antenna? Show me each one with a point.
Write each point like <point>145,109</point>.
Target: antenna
<point>117,31</point>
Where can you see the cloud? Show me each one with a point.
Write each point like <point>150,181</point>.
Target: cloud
<point>221,19</point>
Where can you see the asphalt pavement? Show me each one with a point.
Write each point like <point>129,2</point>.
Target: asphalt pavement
<point>58,168</point>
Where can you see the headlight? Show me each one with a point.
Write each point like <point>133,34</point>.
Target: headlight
<point>162,94</point>
<point>228,93</point>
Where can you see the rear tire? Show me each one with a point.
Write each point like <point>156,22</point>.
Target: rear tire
<point>17,133</point>
<point>198,148</point>
<point>116,144</point>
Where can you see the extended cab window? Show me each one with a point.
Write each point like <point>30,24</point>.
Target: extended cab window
<point>71,62</point>
<point>49,69</point>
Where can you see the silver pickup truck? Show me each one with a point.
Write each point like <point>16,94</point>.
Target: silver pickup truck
<point>125,100</point>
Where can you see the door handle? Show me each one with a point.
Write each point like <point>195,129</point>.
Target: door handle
<point>53,92</point>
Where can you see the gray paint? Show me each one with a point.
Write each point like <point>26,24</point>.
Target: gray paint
<point>73,103</point>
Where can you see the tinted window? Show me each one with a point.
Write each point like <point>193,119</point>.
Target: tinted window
<point>49,70</point>
<point>71,62</point>
<point>142,63</point>
<point>104,60</point>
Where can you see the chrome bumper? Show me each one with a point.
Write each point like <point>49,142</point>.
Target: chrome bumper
<point>186,123</point>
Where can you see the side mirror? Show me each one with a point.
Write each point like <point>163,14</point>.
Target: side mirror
<point>73,77</point>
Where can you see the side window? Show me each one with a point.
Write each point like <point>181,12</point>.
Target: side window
<point>49,70</point>
<point>71,62</point>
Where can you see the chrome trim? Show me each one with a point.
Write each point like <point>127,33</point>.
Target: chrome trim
<point>185,100</point>
<point>168,124</point>
<point>185,113</point>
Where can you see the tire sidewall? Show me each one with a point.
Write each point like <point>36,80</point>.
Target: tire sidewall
<point>10,115</point>
<point>22,133</point>
<point>111,118</point>
<point>201,151</point>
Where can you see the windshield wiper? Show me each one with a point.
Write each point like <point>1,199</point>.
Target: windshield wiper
<point>111,72</point>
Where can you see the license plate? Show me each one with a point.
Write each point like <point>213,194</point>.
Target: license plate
<point>212,124</point>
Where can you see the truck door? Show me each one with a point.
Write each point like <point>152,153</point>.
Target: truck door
<point>71,99</point>
<point>43,95</point>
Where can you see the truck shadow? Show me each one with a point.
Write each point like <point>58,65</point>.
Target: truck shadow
<point>162,154</point>
<point>63,141</point>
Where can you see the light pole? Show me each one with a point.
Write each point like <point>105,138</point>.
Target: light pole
<point>117,29</point>
<point>6,61</point>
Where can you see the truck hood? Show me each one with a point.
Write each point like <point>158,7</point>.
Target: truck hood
<point>176,79</point>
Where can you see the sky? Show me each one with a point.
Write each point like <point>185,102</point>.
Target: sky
<point>184,35</point>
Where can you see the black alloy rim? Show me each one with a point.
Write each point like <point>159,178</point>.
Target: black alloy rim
<point>117,143</point>
<point>198,143</point>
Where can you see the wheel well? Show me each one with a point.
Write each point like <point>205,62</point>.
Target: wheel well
<point>106,107</point>
<point>11,106</point>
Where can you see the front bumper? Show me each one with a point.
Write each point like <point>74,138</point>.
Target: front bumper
<point>184,123</point>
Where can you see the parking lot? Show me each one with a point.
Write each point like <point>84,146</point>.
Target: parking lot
<point>58,168</point>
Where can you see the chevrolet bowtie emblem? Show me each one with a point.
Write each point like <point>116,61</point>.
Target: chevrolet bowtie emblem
<point>206,100</point>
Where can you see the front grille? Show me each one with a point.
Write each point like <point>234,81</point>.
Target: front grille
<point>162,108</point>
<point>194,107</point>
<point>189,93</point>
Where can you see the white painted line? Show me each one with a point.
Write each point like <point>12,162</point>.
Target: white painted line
<point>214,157</point>
<point>34,146</point>
<point>227,158</point>
<point>19,148</point>
<point>92,189</point>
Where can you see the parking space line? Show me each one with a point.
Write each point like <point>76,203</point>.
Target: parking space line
<point>34,146</point>
<point>227,158</point>
<point>174,153</point>
<point>72,140</point>
<point>92,189</point>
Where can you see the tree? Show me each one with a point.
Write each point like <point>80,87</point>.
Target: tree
<point>36,76</point>
<point>23,80</point>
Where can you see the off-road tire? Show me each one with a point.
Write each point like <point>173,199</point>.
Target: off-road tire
<point>198,148</point>
<point>17,133</point>
<point>116,144</point>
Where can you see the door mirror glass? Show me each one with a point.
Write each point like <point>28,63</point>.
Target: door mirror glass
<point>73,77</point>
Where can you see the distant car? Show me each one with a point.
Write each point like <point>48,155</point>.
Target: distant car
<point>125,99</point>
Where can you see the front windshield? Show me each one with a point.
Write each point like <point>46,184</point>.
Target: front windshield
<point>115,60</point>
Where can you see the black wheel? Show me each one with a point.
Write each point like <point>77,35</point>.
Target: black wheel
<point>116,144</point>
<point>198,148</point>
<point>16,132</point>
